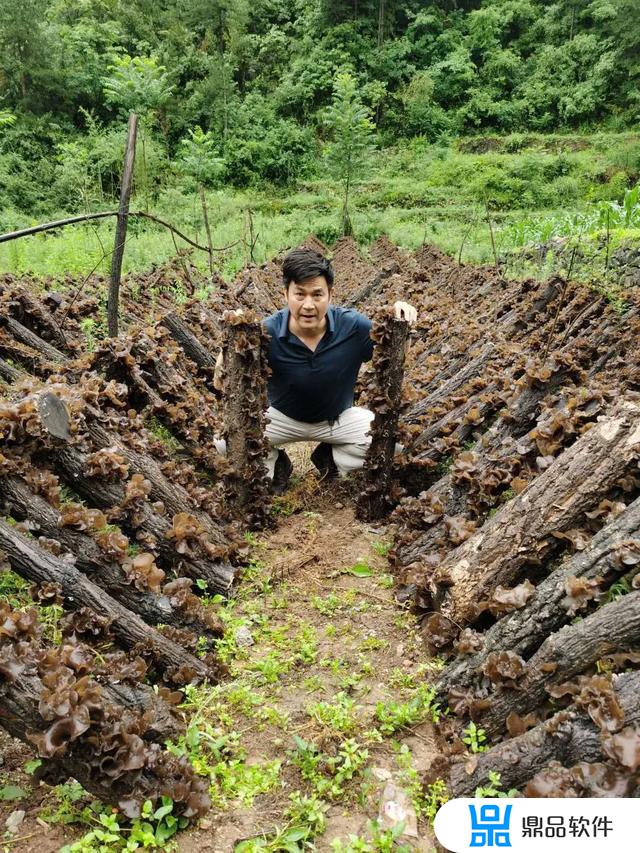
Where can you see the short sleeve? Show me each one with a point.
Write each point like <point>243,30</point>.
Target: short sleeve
<point>364,329</point>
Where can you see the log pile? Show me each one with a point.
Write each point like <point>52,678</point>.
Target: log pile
<point>517,538</point>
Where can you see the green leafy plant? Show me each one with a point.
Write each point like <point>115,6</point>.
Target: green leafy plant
<point>349,122</point>
<point>393,716</point>
<point>493,789</point>
<point>475,738</point>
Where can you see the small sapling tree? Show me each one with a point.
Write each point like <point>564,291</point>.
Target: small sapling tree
<point>350,124</point>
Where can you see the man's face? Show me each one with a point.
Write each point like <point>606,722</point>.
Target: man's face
<point>308,303</point>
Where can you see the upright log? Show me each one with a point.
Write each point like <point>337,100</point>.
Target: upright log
<point>121,227</point>
<point>245,401</point>
<point>391,337</point>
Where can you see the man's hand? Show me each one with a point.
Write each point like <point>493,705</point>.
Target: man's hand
<point>407,312</point>
<point>217,372</point>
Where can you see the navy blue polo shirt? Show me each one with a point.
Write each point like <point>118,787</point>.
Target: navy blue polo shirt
<point>317,386</point>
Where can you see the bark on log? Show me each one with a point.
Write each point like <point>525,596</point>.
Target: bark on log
<point>28,338</point>
<point>525,629</point>
<point>71,465</point>
<point>572,650</point>
<point>33,563</point>
<point>468,371</point>
<point>155,608</point>
<point>19,708</point>
<point>174,496</point>
<point>391,336</point>
<point>8,372</point>
<point>369,289</point>
<point>245,401</point>
<point>517,760</point>
<point>19,701</point>
<point>31,313</point>
<point>493,448</point>
<point>192,347</point>
<point>521,531</point>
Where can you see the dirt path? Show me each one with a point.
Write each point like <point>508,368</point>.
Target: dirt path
<point>326,702</point>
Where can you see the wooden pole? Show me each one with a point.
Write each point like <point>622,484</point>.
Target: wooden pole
<point>121,227</point>
<point>205,214</point>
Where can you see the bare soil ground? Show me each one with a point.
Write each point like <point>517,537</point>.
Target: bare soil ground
<point>327,646</point>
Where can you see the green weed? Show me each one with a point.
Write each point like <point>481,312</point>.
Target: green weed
<point>393,716</point>
<point>475,738</point>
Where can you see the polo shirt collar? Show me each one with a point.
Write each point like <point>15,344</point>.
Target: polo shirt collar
<point>283,330</point>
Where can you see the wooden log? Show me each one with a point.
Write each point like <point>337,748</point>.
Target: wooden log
<point>72,465</point>
<point>121,227</point>
<point>391,336</point>
<point>30,311</point>
<point>19,708</point>
<point>569,738</point>
<point>192,347</point>
<point>8,372</point>
<point>30,561</point>
<point>91,756</point>
<point>373,286</point>
<point>467,372</point>
<point>524,630</point>
<point>565,654</point>
<point>244,405</point>
<point>30,339</point>
<point>23,503</point>
<point>175,497</point>
<point>520,533</point>
<point>494,448</point>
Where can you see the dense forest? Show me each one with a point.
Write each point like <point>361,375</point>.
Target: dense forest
<point>240,92</point>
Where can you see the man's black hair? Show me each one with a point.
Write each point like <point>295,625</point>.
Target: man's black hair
<point>301,264</point>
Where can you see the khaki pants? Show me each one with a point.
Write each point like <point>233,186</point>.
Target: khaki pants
<point>348,435</point>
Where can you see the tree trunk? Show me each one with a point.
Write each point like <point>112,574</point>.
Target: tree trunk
<point>568,741</point>
<point>121,227</point>
<point>33,563</point>
<point>521,532</point>
<point>524,630</point>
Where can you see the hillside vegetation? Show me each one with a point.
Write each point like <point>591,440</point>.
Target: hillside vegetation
<point>237,93</point>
